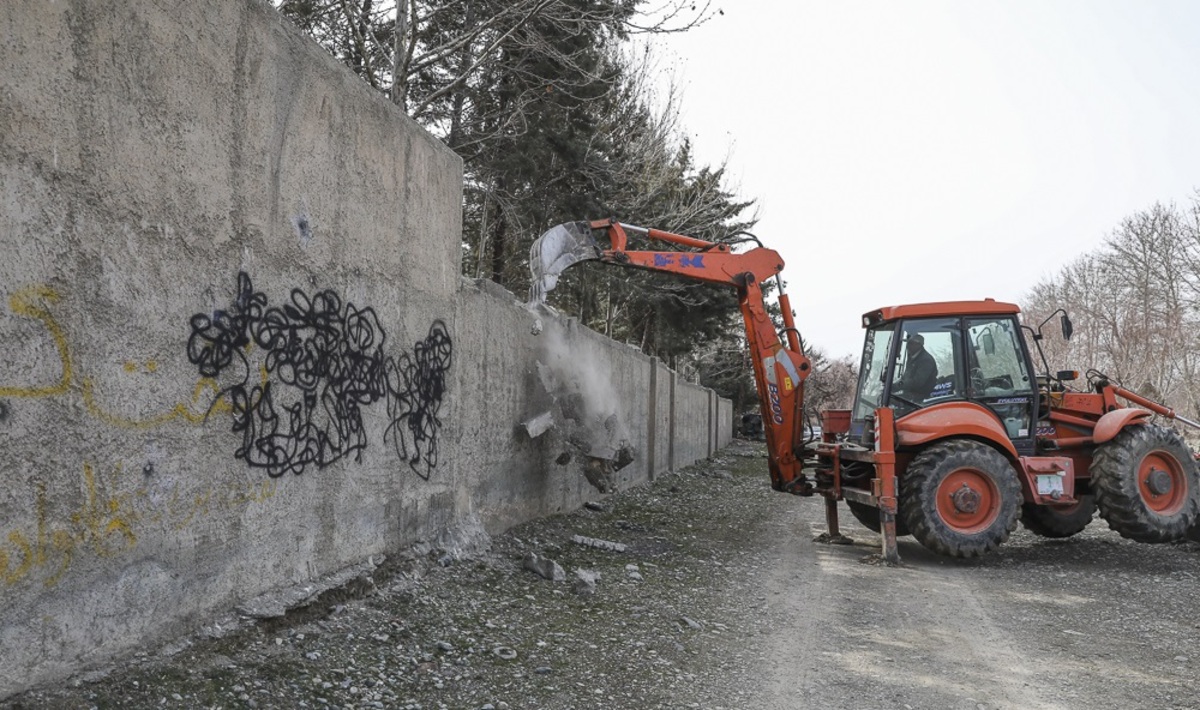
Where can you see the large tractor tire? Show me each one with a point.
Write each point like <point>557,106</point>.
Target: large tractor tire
<point>960,498</point>
<point>869,517</point>
<point>1058,522</point>
<point>1146,484</point>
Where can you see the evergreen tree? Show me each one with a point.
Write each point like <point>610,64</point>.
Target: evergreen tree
<point>555,121</point>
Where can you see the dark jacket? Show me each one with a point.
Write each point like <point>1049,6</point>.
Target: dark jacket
<point>919,375</point>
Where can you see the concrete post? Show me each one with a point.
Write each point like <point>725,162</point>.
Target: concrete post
<point>671,423</point>
<point>712,423</point>
<point>652,424</point>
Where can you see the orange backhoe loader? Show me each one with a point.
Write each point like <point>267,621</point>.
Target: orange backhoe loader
<point>953,437</point>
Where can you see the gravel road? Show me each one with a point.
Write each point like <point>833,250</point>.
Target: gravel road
<point>720,599</point>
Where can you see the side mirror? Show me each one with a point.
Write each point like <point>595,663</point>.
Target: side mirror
<point>1067,328</point>
<point>989,343</point>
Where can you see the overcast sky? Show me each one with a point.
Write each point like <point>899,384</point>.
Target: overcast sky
<point>916,151</point>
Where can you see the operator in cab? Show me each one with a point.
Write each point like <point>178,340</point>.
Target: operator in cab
<point>920,370</point>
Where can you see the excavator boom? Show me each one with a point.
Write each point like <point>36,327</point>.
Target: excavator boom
<point>780,366</point>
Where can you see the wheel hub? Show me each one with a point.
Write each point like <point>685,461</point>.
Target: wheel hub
<point>966,500</point>
<point>1158,482</point>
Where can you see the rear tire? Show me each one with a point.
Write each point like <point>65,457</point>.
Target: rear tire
<point>1058,522</point>
<point>1146,484</point>
<point>869,517</point>
<point>960,498</point>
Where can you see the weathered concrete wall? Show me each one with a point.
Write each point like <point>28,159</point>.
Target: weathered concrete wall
<point>724,423</point>
<point>662,390</point>
<point>236,352</point>
<point>692,413</point>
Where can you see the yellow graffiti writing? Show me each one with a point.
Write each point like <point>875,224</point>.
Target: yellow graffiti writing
<point>185,412</point>
<point>34,302</point>
<point>26,303</point>
<point>105,524</point>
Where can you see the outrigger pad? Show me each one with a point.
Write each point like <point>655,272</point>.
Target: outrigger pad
<point>561,247</point>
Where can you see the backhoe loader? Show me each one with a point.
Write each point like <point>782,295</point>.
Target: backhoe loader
<point>953,437</point>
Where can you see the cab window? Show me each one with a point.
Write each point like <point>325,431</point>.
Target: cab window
<point>872,374</point>
<point>999,377</point>
<point>927,370</point>
<point>998,364</point>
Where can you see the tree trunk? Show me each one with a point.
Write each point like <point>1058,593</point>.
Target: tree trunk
<point>499,238</point>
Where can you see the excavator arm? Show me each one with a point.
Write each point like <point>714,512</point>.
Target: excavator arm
<point>780,366</point>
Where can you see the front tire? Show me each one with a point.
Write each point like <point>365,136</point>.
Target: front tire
<point>1146,484</point>
<point>1058,523</point>
<point>960,498</point>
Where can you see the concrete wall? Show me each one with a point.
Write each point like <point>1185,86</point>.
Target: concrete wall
<point>724,423</point>
<point>236,354</point>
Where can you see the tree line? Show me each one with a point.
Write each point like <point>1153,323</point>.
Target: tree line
<point>1134,304</point>
<point>559,114</point>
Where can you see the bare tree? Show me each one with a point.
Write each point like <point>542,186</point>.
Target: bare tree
<point>1134,303</point>
<point>423,51</point>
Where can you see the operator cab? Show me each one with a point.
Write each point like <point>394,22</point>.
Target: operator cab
<point>925,355</point>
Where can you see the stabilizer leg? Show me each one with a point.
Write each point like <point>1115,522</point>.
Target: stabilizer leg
<point>833,534</point>
<point>887,530</point>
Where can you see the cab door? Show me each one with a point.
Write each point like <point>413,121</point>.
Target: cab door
<point>999,376</point>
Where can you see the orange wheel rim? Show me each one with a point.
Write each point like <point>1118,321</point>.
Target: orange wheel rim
<point>1068,509</point>
<point>1162,483</point>
<point>968,500</point>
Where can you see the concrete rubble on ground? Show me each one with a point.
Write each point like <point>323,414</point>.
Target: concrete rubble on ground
<point>547,568</point>
<point>585,582</point>
<point>598,544</point>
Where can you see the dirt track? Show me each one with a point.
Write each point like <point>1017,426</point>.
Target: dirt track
<point>736,607</point>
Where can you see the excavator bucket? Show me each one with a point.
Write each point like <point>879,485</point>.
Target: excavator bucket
<point>554,252</point>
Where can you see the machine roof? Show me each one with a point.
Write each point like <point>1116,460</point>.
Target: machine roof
<point>986,307</point>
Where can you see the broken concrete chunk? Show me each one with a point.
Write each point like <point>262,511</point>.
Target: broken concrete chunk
<point>598,544</point>
<point>547,568</point>
<point>538,425</point>
<point>625,456</point>
<point>599,473</point>
<point>585,582</point>
<point>692,623</point>
<point>263,609</point>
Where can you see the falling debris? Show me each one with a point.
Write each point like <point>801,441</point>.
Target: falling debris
<point>599,473</point>
<point>585,405</point>
<point>598,544</point>
<point>582,420</point>
<point>539,425</point>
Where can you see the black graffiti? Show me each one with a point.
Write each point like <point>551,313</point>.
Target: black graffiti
<point>318,363</point>
<point>419,381</point>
